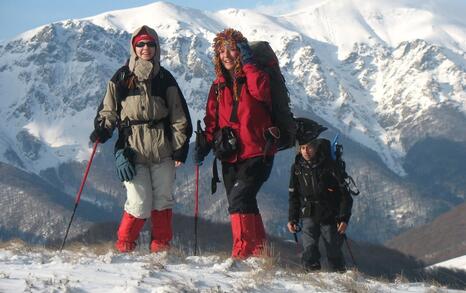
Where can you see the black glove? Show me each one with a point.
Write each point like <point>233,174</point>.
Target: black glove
<point>202,147</point>
<point>200,153</point>
<point>245,52</point>
<point>125,167</point>
<point>345,219</point>
<point>100,133</point>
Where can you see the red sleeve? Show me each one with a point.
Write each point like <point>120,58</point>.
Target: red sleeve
<point>210,119</point>
<point>258,83</point>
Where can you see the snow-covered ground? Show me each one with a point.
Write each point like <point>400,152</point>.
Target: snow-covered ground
<point>38,270</point>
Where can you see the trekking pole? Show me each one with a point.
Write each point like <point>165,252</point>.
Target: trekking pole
<point>196,208</point>
<point>349,249</point>
<point>78,195</point>
<point>199,134</point>
<point>295,236</point>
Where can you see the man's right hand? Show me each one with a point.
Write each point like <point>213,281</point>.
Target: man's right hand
<point>341,227</point>
<point>292,227</point>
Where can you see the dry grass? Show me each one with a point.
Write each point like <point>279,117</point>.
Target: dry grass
<point>400,279</point>
<point>270,256</point>
<point>95,248</point>
<point>317,281</point>
<point>352,283</point>
<point>13,244</point>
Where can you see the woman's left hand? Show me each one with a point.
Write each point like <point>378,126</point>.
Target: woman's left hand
<point>246,52</point>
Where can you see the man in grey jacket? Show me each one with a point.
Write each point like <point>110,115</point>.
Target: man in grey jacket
<point>145,103</point>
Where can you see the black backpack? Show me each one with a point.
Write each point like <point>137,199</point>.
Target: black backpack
<point>282,117</point>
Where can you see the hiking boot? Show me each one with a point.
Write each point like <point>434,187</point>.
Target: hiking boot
<point>336,265</point>
<point>308,268</point>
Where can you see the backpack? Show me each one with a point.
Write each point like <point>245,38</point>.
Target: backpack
<point>344,179</point>
<point>282,117</point>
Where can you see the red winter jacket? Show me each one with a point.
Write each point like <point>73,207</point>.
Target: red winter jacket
<point>254,112</point>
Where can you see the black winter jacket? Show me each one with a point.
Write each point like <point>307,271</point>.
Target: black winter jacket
<point>314,189</point>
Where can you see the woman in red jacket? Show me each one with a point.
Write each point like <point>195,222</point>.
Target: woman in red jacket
<point>238,115</point>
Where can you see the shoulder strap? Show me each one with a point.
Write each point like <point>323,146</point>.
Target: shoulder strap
<point>120,79</point>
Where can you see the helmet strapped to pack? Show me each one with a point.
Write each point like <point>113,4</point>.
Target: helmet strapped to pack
<point>307,130</point>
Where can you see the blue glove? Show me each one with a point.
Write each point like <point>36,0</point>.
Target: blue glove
<point>125,168</point>
<point>246,52</point>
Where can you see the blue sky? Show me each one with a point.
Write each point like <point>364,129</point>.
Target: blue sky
<point>17,16</point>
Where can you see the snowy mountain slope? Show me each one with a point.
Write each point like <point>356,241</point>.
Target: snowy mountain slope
<point>345,22</point>
<point>32,209</point>
<point>60,85</point>
<point>380,93</point>
<point>458,263</point>
<point>360,95</point>
<point>438,241</point>
<point>85,271</point>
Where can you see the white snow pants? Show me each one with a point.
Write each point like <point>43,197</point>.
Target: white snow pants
<point>151,189</point>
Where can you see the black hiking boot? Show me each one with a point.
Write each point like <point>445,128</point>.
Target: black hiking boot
<point>309,268</point>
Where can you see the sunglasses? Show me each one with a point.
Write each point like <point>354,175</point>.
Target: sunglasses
<point>142,44</point>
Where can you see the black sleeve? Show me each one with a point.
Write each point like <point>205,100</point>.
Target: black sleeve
<point>345,201</point>
<point>294,197</point>
<point>120,93</point>
<point>346,204</point>
<point>181,153</point>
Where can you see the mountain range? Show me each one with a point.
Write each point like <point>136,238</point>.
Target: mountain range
<point>389,76</point>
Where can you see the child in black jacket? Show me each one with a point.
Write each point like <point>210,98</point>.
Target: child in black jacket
<point>316,197</point>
